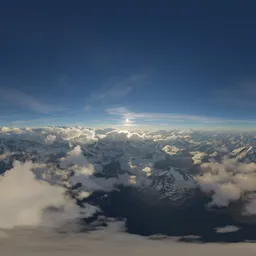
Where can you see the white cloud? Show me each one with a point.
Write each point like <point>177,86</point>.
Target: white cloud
<point>83,173</point>
<point>50,138</point>
<point>122,135</point>
<point>77,135</point>
<point>87,107</point>
<point>26,201</point>
<point>76,158</point>
<point>227,229</point>
<point>229,181</point>
<point>21,99</point>
<point>33,122</point>
<point>112,241</point>
<point>90,210</point>
<point>148,116</point>
<point>125,113</point>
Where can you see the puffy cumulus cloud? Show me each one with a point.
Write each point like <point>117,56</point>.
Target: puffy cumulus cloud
<point>228,182</point>
<point>26,201</point>
<point>71,133</point>
<point>227,229</point>
<point>101,136</point>
<point>76,159</point>
<point>5,129</point>
<point>17,131</point>
<point>136,137</point>
<point>78,135</point>
<point>117,135</point>
<point>82,195</point>
<point>168,137</point>
<point>20,133</point>
<point>50,138</point>
<point>13,130</point>
<point>122,135</point>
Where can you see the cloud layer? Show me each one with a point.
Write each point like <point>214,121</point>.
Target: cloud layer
<point>111,241</point>
<point>147,117</point>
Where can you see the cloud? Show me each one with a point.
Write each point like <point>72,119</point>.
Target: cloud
<point>91,184</point>
<point>228,182</point>
<point>112,241</point>
<point>28,122</point>
<point>76,158</point>
<point>227,229</point>
<point>117,88</point>
<point>241,95</point>
<point>122,135</point>
<point>124,114</point>
<point>21,99</point>
<point>83,174</point>
<point>87,108</point>
<point>26,201</point>
<point>113,93</point>
<point>78,135</point>
<point>114,140</point>
<point>50,139</point>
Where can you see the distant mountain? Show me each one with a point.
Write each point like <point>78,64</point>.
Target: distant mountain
<point>245,154</point>
<point>174,185</point>
<point>146,178</point>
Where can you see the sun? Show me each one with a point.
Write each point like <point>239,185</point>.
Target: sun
<point>127,120</point>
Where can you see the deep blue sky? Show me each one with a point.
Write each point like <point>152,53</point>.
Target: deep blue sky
<point>161,63</point>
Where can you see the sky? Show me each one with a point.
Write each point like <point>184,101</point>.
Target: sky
<point>133,64</point>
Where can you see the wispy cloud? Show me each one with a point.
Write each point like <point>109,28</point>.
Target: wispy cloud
<point>40,121</point>
<point>241,96</point>
<point>87,108</point>
<point>117,88</point>
<point>125,114</point>
<point>112,93</point>
<point>24,100</point>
